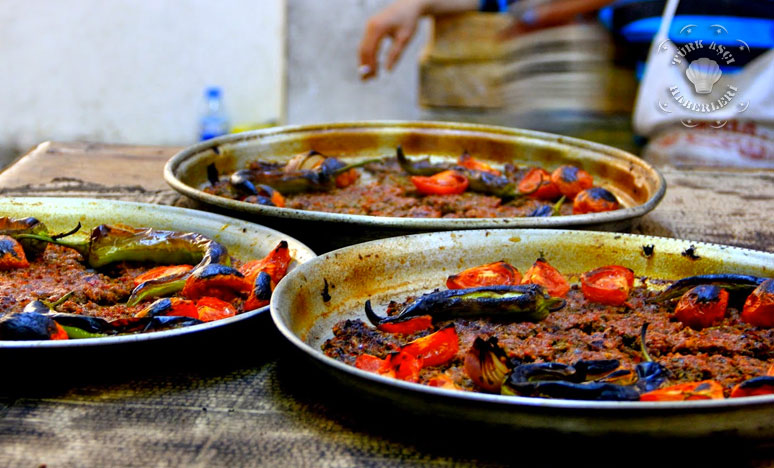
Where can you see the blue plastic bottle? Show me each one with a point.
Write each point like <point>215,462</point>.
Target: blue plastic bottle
<point>214,121</point>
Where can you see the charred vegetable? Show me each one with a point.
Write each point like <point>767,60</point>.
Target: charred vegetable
<point>26,326</point>
<point>11,254</point>
<point>305,172</point>
<point>546,211</point>
<point>756,386</point>
<point>702,306</point>
<point>17,227</point>
<point>759,307</point>
<point>742,284</point>
<point>594,200</point>
<point>521,303</point>
<point>495,273</point>
<point>480,177</point>
<point>487,364</point>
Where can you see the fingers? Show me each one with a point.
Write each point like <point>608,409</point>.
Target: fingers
<point>369,47</point>
<point>399,43</point>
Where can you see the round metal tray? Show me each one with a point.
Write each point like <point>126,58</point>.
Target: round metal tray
<point>395,268</point>
<point>244,240</point>
<point>638,186</point>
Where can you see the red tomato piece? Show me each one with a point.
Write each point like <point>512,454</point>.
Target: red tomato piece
<point>594,200</point>
<point>162,272</point>
<point>345,179</point>
<point>443,381</point>
<point>60,333</point>
<point>753,387</point>
<point>444,183</point>
<point>495,273</point>
<point>11,254</point>
<point>609,285</point>
<point>435,349</point>
<point>702,306</point>
<point>469,162</point>
<point>406,366</point>
<point>545,275</point>
<point>212,308</point>
<point>275,264</point>
<point>376,365</point>
<point>571,180</point>
<point>704,390</point>
<point>408,327</point>
<point>537,184</point>
<point>758,309</point>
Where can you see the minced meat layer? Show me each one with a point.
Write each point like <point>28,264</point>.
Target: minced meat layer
<point>729,352</point>
<point>384,189</point>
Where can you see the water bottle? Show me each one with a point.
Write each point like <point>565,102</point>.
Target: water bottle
<point>214,121</point>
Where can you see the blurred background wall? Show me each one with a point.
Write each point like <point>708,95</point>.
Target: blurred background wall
<point>134,71</point>
<point>323,84</point>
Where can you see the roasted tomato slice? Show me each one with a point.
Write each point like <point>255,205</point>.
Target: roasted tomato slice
<point>162,272</point>
<point>408,327</point>
<point>11,254</point>
<point>374,364</point>
<point>752,387</point>
<point>609,285</point>
<point>406,366</point>
<point>215,280</point>
<point>346,178</point>
<point>469,162</point>
<point>537,184</point>
<point>212,308</point>
<point>275,264</point>
<point>444,183</point>
<point>571,180</point>
<point>435,349</point>
<point>594,200</point>
<point>704,390</point>
<point>702,306</point>
<point>170,306</point>
<point>485,275</point>
<point>758,309</point>
<point>543,274</point>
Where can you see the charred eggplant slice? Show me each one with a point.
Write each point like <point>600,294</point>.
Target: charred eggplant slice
<point>526,302</point>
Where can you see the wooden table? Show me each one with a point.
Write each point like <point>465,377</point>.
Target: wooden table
<point>254,402</point>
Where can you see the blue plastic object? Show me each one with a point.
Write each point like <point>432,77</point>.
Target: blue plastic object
<point>214,121</point>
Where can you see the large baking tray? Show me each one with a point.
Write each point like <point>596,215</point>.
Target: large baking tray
<point>244,241</point>
<point>639,186</point>
<point>397,267</point>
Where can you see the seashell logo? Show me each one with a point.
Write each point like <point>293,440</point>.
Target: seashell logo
<point>703,73</point>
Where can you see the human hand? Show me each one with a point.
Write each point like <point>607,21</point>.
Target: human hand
<point>398,21</point>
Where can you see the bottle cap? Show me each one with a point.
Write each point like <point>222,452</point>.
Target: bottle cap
<point>212,92</point>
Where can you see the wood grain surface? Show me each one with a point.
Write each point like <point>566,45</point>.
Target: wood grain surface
<point>250,400</point>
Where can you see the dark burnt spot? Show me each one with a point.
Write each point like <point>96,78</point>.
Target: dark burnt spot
<point>599,193</point>
<point>212,174</point>
<point>704,386</point>
<point>690,253</point>
<point>569,173</point>
<point>325,295</point>
<point>8,247</point>
<point>706,293</point>
<point>647,250</point>
<point>216,150</point>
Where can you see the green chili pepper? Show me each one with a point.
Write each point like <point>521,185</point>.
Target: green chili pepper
<point>75,333</point>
